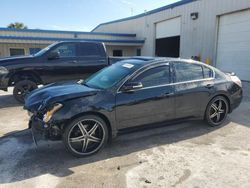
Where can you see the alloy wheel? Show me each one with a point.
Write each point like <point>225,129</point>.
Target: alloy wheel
<point>86,137</point>
<point>218,111</point>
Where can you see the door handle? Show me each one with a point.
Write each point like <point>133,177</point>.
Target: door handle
<point>209,86</point>
<point>168,94</point>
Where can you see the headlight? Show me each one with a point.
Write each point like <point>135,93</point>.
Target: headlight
<point>3,70</point>
<point>50,112</point>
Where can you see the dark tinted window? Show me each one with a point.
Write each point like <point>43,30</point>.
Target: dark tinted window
<point>138,52</point>
<point>208,73</point>
<point>187,72</point>
<point>34,50</point>
<point>117,53</point>
<point>88,49</point>
<point>66,50</point>
<point>154,76</point>
<point>16,51</point>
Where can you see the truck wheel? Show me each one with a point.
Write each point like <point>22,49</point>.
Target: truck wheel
<point>85,135</point>
<point>22,88</point>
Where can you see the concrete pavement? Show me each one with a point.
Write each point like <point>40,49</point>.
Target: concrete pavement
<point>190,154</point>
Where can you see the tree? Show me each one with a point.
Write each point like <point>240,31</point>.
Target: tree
<point>17,25</point>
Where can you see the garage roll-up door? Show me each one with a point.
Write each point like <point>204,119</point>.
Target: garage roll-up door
<point>168,28</point>
<point>168,38</point>
<point>233,49</point>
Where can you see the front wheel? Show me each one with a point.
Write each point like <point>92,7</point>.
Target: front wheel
<point>22,88</point>
<point>85,135</point>
<point>217,111</point>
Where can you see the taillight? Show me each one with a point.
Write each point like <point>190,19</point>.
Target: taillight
<point>236,80</point>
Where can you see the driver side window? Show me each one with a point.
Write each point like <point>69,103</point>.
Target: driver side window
<point>154,77</point>
<point>66,50</point>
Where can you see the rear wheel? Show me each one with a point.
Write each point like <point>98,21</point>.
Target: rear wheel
<point>22,88</point>
<point>217,111</point>
<point>85,136</point>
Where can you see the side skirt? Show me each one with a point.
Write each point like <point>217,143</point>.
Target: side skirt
<point>156,125</point>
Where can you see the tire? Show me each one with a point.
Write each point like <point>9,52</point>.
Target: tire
<point>22,88</point>
<point>217,110</point>
<point>80,141</point>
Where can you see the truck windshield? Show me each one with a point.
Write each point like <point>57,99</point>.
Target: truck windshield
<point>42,51</point>
<point>109,76</point>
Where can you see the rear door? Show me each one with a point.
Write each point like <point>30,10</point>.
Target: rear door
<point>194,84</point>
<point>150,104</point>
<point>91,58</point>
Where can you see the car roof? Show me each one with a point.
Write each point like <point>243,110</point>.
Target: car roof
<point>144,60</point>
<point>80,41</point>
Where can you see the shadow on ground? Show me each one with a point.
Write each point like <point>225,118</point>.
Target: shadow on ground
<point>241,114</point>
<point>8,101</point>
<point>21,160</point>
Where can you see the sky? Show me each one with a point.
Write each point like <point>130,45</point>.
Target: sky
<point>72,15</point>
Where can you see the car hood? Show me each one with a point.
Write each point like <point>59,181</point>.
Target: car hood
<point>14,60</point>
<point>58,92</point>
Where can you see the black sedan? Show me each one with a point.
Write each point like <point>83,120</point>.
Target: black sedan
<point>131,93</point>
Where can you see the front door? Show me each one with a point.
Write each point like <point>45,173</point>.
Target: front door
<point>150,104</point>
<point>62,68</point>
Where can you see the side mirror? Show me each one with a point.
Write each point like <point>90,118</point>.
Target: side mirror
<point>132,86</point>
<point>53,55</point>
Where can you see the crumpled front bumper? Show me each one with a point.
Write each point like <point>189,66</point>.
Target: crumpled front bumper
<point>38,129</point>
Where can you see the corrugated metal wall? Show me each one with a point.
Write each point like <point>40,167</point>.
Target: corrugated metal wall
<point>198,37</point>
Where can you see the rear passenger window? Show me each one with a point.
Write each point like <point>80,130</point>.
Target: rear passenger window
<point>208,73</point>
<point>88,49</point>
<point>187,72</point>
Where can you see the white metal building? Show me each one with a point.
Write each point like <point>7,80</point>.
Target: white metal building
<point>217,31</point>
<point>28,41</point>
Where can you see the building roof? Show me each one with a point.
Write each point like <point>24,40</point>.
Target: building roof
<point>67,32</point>
<point>179,3</point>
<point>49,35</point>
<point>73,39</point>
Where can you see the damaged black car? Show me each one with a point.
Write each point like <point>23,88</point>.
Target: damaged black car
<point>138,92</point>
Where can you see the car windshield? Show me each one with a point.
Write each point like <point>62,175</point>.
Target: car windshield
<point>42,51</point>
<point>109,76</point>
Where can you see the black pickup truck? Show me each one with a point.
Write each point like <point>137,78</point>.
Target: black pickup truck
<point>57,62</point>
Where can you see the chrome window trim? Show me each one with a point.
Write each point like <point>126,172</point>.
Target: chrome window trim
<point>170,84</point>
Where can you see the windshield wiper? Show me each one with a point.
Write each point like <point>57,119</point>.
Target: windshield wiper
<point>85,84</point>
<point>80,81</point>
